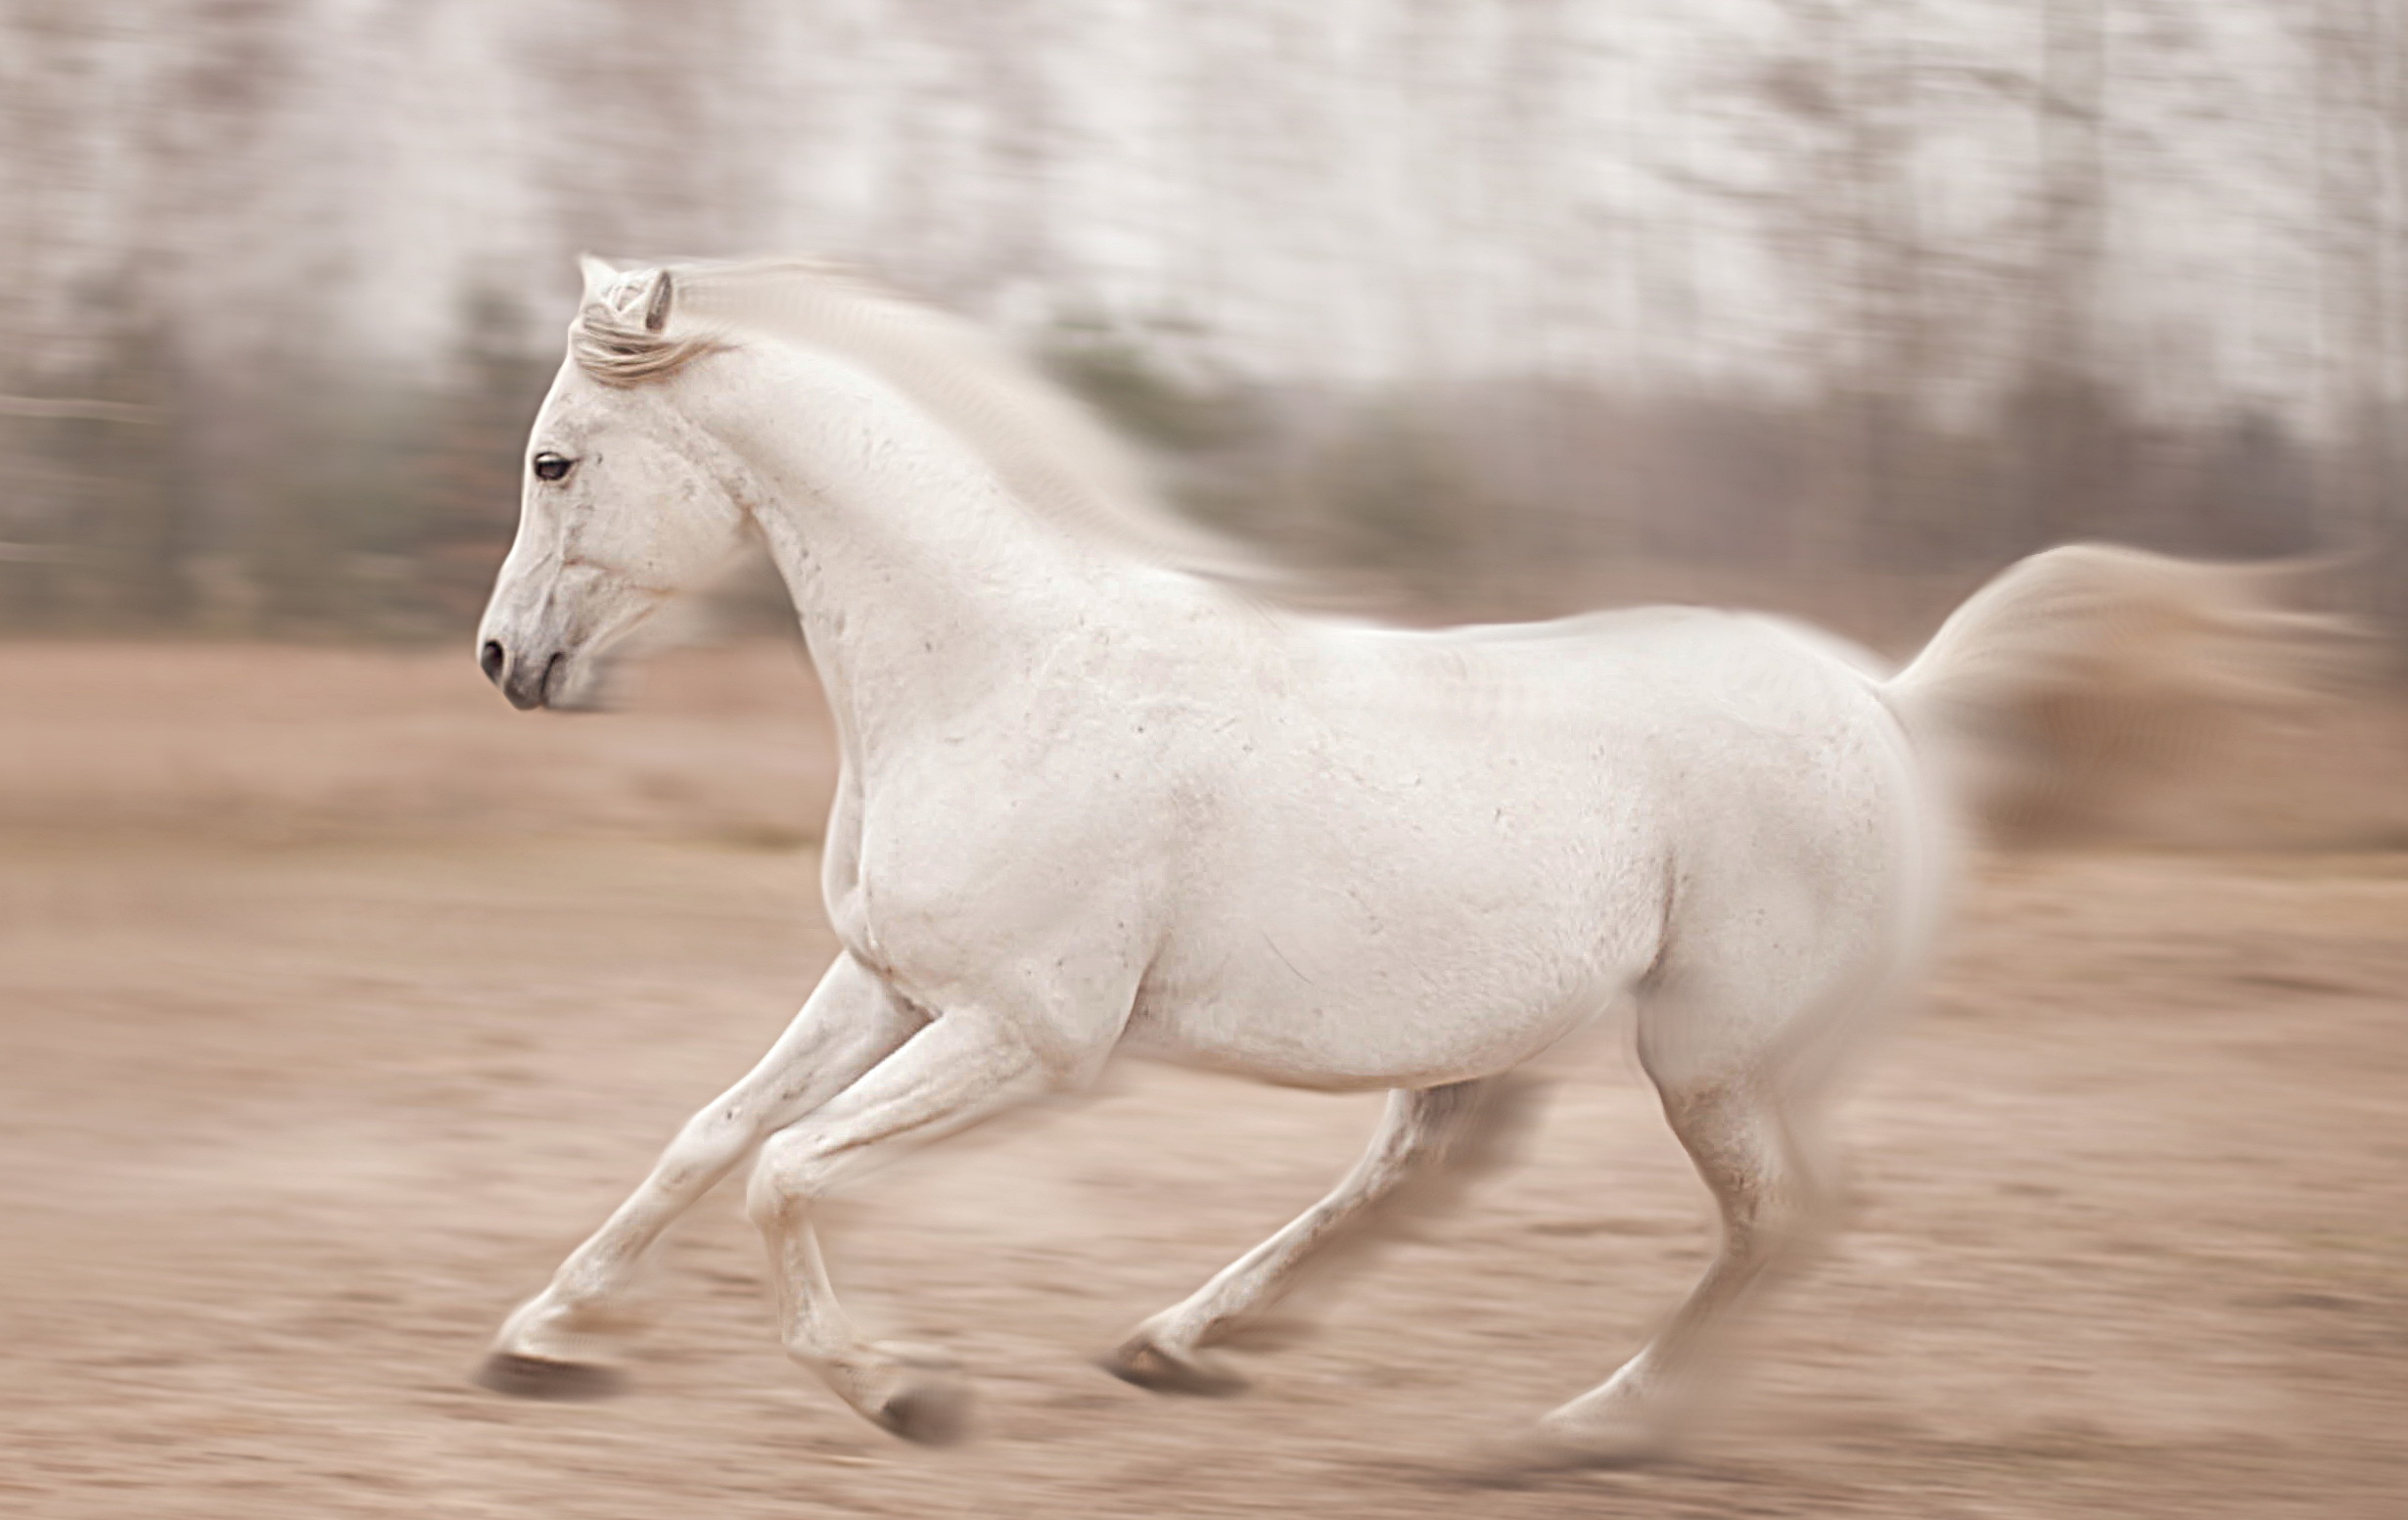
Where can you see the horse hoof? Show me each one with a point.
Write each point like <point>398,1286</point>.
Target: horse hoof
<point>930,1413</point>
<point>541,1377</point>
<point>1146,1365</point>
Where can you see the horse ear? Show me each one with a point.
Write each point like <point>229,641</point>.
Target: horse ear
<point>599,276</point>
<point>656,306</point>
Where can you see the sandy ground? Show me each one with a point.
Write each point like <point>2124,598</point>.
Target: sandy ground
<point>299,1101</point>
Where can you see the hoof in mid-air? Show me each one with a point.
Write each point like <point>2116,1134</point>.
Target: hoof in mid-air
<point>913,1393</point>
<point>929,1413</point>
<point>540,1377</point>
<point>1589,1435</point>
<point>1146,1364</point>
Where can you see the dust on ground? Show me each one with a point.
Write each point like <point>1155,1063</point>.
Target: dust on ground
<point>303,1100</point>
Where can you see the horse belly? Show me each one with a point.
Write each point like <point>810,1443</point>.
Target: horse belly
<point>1359,982</point>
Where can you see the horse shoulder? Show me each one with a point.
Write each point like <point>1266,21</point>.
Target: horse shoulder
<point>976,853</point>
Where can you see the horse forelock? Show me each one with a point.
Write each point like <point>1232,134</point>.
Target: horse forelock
<point>610,342</point>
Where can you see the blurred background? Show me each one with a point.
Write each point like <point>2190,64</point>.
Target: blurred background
<point>338,1000</point>
<point>1466,298</point>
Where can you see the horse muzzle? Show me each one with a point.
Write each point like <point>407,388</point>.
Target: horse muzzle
<point>527,681</point>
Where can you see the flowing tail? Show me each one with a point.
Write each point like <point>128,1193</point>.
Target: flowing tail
<point>2084,665</point>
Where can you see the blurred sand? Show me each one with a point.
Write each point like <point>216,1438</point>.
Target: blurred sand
<point>341,1001</point>
<point>732,742</point>
<point>283,741</point>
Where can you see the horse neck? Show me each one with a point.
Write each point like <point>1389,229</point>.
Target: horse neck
<point>921,585</point>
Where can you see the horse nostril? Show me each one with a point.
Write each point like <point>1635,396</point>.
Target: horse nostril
<point>490,659</point>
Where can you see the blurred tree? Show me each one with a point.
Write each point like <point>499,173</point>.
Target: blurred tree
<point>1212,444</point>
<point>100,538</point>
<point>136,519</point>
<point>471,473</point>
<point>336,512</point>
<point>2058,407</point>
<point>1394,497</point>
<point>2256,491</point>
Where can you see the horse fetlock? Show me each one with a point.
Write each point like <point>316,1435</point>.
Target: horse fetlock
<point>1628,1420</point>
<point>913,1392</point>
<point>560,1326</point>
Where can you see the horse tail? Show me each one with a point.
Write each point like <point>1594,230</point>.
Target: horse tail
<point>2088,662</point>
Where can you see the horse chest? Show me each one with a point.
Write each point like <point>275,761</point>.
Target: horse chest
<point>956,892</point>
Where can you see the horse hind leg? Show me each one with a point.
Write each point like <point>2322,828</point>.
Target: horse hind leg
<point>1744,1099</point>
<point>1770,1191</point>
<point>1430,1144</point>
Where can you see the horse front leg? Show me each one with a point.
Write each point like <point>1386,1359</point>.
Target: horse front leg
<point>1429,1141</point>
<point>851,1021</point>
<point>959,1068</point>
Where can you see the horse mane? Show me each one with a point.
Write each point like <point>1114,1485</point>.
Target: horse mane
<point>1057,458</point>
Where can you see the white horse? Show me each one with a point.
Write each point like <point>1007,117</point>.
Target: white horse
<point>1096,800</point>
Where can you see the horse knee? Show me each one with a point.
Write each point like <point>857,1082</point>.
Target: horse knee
<point>791,1170</point>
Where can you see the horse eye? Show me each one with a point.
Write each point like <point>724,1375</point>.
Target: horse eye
<point>551,466</point>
